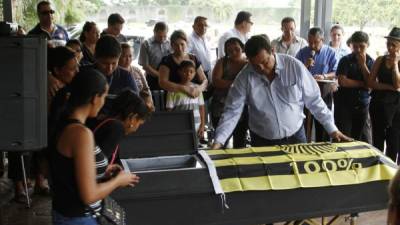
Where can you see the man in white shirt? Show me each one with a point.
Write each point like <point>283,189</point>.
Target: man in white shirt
<point>289,43</point>
<point>198,44</point>
<point>242,28</point>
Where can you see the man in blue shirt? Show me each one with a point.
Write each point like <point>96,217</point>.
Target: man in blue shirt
<point>46,26</point>
<point>276,88</point>
<point>107,54</point>
<point>321,61</point>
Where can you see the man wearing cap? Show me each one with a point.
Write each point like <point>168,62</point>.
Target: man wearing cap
<point>46,26</point>
<point>289,43</point>
<point>385,102</point>
<point>276,87</point>
<point>242,28</point>
<point>115,24</point>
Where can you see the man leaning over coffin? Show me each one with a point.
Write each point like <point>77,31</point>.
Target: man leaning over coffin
<point>276,88</point>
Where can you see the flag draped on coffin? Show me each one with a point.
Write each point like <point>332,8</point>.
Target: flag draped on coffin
<point>300,166</point>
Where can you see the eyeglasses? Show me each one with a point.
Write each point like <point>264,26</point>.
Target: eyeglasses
<point>44,13</point>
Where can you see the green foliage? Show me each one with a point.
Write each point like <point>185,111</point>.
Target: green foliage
<point>67,11</point>
<point>363,12</point>
<point>1,10</point>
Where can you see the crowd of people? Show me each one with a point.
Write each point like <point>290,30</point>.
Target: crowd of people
<point>258,87</point>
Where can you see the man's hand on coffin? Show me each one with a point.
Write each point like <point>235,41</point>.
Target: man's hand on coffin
<point>340,137</point>
<point>216,145</point>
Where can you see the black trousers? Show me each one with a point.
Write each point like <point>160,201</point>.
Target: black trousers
<point>351,120</point>
<point>320,133</point>
<point>382,133</point>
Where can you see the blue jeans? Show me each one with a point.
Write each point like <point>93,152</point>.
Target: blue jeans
<point>59,219</point>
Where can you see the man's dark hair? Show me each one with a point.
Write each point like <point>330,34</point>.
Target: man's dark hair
<point>287,20</point>
<point>242,16</point>
<point>107,47</point>
<point>316,31</point>
<point>257,43</point>
<point>115,18</point>
<point>40,4</point>
<point>160,26</point>
<point>359,37</point>
<point>198,19</point>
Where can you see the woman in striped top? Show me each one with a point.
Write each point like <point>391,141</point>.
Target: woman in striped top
<point>79,188</point>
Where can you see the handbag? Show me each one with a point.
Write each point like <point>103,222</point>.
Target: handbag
<point>111,213</point>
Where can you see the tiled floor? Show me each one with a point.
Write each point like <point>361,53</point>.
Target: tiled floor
<point>17,214</point>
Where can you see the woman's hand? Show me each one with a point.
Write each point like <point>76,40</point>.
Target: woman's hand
<point>394,59</point>
<point>53,85</point>
<point>193,92</point>
<point>113,170</point>
<point>127,179</point>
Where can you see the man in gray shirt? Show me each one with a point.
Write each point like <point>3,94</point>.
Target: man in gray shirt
<point>276,88</point>
<point>289,43</point>
<point>151,53</point>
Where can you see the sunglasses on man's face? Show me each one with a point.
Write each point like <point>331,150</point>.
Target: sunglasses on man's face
<point>44,13</point>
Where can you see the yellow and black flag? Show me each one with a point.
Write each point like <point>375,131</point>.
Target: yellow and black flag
<point>299,166</point>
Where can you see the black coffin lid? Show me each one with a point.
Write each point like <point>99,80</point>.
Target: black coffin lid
<point>164,134</point>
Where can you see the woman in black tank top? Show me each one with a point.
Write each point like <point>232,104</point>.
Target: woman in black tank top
<point>385,101</point>
<point>74,155</point>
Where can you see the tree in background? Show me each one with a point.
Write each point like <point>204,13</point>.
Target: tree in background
<point>363,12</point>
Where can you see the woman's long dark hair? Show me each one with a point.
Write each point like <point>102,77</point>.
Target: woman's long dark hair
<point>87,84</point>
<point>58,57</point>
<point>88,26</point>
<point>127,104</point>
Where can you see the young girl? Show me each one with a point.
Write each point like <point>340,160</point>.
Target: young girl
<point>181,101</point>
<point>77,164</point>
